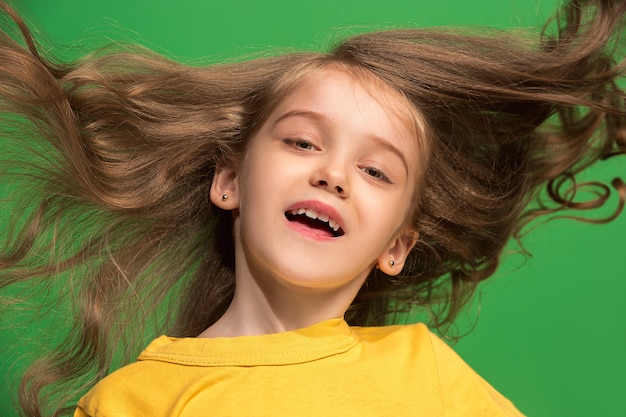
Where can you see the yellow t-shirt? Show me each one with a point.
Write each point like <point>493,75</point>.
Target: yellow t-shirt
<point>328,369</point>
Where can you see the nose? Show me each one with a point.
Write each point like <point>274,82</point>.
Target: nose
<point>332,178</point>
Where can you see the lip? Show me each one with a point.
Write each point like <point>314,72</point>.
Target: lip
<point>321,208</point>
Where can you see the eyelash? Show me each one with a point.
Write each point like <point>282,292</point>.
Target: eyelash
<point>376,174</point>
<point>296,143</point>
<point>303,144</point>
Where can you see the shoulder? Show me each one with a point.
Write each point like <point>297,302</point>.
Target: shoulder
<point>411,333</point>
<point>457,377</point>
<point>135,389</point>
<point>113,396</point>
<point>462,391</point>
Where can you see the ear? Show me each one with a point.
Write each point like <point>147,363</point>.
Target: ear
<point>225,189</point>
<point>392,260</point>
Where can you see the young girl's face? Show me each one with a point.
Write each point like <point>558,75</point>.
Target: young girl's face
<point>323,192</point>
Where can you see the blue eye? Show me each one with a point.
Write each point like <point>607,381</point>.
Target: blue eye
<point>376,173</point>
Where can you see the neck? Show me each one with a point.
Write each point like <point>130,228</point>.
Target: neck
<point>262,307</point>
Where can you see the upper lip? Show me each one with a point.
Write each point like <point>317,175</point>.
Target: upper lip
<point>322,209</point>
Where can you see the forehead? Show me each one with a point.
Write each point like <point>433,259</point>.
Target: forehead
<point>337,93</point>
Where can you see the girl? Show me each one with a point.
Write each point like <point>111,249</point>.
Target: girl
<point>268,199</point>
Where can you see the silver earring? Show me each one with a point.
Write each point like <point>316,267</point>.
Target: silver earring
<point>224,197</point>
<point>391,263</point>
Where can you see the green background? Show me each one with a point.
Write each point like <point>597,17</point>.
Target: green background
<point>551,334</point>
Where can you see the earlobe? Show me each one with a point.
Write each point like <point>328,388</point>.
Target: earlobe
<point>225,189</point>
<point>392,260</point>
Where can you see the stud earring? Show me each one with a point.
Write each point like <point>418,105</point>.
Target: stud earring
<point>391,263</point>
<point>224,197</point>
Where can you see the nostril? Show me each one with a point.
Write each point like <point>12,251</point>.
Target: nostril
<point>324,183</point>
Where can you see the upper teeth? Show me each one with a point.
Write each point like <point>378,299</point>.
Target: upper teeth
<point>315,215</point>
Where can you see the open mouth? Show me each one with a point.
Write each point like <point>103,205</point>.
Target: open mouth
<point>314,220</point>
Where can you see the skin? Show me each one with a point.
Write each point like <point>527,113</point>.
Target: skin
<point>330,146</point>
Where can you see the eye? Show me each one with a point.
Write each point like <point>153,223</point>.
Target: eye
<point>376,173</point>
<point>300,144</point>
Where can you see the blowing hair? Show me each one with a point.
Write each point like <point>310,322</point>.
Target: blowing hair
<point>115,225</point>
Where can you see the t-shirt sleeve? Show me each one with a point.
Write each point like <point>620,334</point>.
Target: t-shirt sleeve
<point>462,389</point>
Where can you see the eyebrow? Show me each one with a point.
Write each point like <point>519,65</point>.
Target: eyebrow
<point>320,117</point>
<point>302,113</point>
<point>383,143</point>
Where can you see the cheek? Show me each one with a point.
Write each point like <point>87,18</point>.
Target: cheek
<point>388,212</point>
<point>401,210</point>
<point>254,173</point>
